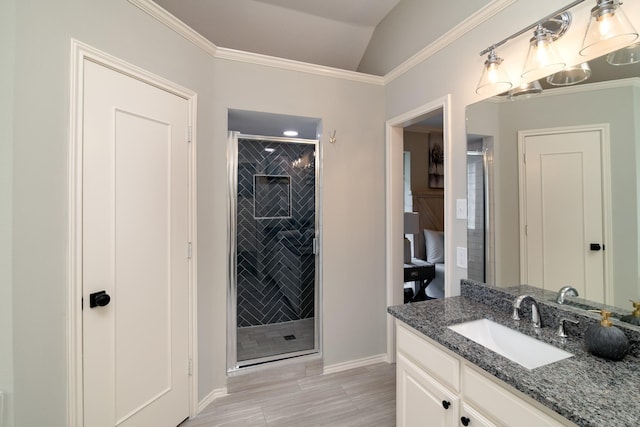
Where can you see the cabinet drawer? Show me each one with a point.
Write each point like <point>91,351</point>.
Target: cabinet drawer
<point>500,403</point>
<point>433,360</point>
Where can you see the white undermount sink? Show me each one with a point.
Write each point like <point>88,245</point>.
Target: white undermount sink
<point>515,346</point>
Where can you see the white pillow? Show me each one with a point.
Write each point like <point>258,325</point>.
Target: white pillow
<point>434,245</point>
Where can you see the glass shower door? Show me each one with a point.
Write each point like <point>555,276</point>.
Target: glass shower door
<point>274,261</point>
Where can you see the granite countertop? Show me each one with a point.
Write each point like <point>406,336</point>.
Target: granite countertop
<point>585,389</point>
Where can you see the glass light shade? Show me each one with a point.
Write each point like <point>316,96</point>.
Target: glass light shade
<point>493,79</point>
<point>609,29</point>
<point>543,57</point>
<point>625,56</point>
<point>571,75</point>
<point>525,90</point>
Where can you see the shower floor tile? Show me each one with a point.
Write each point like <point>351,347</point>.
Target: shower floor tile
<point>269,340</point>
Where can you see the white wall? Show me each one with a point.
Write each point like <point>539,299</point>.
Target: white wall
<point>7,47</point>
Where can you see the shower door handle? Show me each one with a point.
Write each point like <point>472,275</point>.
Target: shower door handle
<point>315,246</point>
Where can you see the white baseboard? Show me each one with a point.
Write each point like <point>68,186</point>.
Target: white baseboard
<point>339,367</point>
<point>215,394</point>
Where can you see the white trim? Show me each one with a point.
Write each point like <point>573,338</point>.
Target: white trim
<point>209,398</point>
<point>605,164</point>
<point>292,65</point>
<point>166,18</point>
<point>352,364</point>
<point>393,136</point>
<point>482,15</point>
<point>79,53</point>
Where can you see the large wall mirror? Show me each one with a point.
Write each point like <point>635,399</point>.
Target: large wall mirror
<point>523,218</point>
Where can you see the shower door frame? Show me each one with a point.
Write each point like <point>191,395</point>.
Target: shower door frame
<point>232,279</point>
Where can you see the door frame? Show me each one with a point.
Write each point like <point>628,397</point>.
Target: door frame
<point>607,227</point>
<point>233,365</point>
<point>80,53</point>
<point>394,193</point>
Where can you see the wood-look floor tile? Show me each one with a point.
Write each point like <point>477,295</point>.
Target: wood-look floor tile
<point>356,397</point>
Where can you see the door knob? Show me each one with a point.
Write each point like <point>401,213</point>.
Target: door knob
<point>465,421</point>
<point>99,299</point>
<point>446,404</point>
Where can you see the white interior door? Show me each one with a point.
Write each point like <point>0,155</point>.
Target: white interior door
<point>135,237</point>
<point>563,212</point>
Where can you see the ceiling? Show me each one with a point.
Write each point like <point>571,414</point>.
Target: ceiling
<point>333,33</point>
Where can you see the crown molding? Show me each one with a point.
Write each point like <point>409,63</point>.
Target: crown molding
<point>289,64</point>
<point>449,37</point>
<point>166,18</point>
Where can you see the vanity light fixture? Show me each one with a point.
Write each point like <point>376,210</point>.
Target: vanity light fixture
<point>570,75</point>
<point>625,56</point>
<point>543,57</point>
<point>493,79</point>
<point>291,133</point>
<point>609,29</point>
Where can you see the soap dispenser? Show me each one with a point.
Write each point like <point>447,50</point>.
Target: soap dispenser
<point>633,318</point>
<point>605,340</point>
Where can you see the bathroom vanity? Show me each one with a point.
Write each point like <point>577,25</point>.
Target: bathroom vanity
<point>446,379</point>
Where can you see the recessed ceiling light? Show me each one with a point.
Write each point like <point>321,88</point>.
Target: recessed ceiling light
<point>290,133</point>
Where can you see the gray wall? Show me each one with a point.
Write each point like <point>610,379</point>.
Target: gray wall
<point>40,168</point>
<point>612,106</point>
<point>455,70</point>
<point>410,26</point>
<point>353,242</point>
<point>353,187</point>
<point>7,47</point>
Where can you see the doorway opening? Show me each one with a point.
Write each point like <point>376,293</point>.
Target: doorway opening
<point>394,204</point>
<point>274,281</point>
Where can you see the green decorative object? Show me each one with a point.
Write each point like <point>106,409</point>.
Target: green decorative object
<point>633,318</point>
<point>605,340</point>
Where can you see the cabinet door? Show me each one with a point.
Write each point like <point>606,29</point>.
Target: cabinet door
<point>502,404</point>
<point>469,417</point>
<point>421,400</point>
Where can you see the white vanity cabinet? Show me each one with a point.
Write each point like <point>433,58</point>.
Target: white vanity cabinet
<point>435,387</point>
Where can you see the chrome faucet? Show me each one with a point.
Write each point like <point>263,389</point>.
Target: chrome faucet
<point>564,292</point>
<point>535,310</point>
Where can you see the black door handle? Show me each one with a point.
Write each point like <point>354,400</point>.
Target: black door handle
<point>99,299</point>
<point>595,246</point>
<point>465,421</point>
<point>446,404</point>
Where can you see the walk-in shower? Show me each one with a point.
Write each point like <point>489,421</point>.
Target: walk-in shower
<point>274,275</point>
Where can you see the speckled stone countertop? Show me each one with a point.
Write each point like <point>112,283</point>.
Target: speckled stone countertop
<point>585,389</point>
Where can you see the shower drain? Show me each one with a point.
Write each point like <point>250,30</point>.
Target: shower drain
<point>289,337</point>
